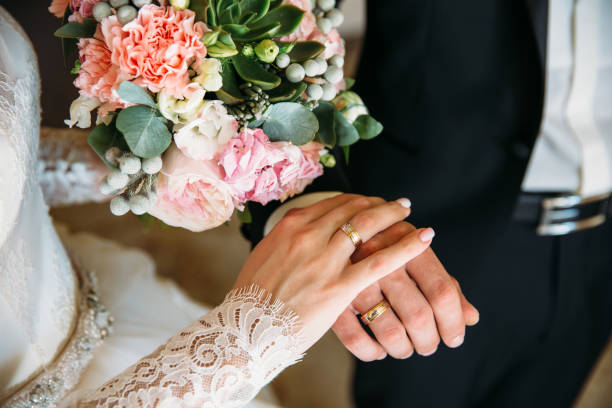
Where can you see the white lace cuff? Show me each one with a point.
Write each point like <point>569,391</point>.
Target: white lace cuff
<point>221,360</point>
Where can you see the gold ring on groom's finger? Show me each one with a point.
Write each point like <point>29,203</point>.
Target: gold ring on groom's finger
<point>352,233</point>
<point>375,312</point>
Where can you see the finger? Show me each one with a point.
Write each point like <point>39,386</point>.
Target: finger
<point>367,222</point>
<point>387,328</point>
<point>442,294</point>
<point>383,239</point>
<point>380,264</point>
<point>470,313</point>
<point>412,308</point>
<point>355,339</point>
<point>305,215</point>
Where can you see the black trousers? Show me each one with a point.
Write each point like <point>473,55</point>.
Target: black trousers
<point>546,314</point>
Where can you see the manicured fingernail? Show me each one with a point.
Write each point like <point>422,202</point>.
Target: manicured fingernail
<point>404,202</point>
<point>426,235</point>
<point>456,342</point>
<point>430,353</point>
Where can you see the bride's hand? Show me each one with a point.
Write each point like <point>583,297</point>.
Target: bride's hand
<point>304,261</point>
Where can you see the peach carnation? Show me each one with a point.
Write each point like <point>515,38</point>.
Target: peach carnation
<point>157,48</point>
<point>58,7</point>
<point>98,76</point>
<point>334,44</point>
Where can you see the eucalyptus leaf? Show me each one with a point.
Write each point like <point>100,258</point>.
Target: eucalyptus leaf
<point>287,15</point>
<point>325,114</point>
<point>87,29</point>
<point>305,50</point>
<point>345,131</point>
<point>145,131</point>
<point>103,137</point>
<point>290,122</point>
<point>130,92</point>
<point>368,127</point>
<point>251,71</point>
<point>256,123</point>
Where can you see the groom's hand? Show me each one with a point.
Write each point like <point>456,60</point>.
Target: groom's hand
<point>427,303</point>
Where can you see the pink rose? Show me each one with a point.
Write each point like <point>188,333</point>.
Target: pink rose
<point>98,76</point>
<point>307,25</point>
<point>192,193</point>
<point>262,171</point>
<point>157,47</point>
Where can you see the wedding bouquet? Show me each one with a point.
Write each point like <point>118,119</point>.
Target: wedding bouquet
<point>205,105</point>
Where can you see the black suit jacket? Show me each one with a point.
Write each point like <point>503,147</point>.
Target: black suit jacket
<point>459,87</point>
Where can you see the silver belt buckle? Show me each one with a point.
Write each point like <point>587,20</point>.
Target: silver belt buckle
<point>557,209</point>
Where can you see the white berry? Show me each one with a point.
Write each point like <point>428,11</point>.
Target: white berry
<point>326,5</point>
<point>311,67</point>
<point>152,196</point>
<point>336,17</point>
<point>125,14</point>
<point>337,61</point>
<point>295,72</point>
<point>325,25</point>
<point>329,92</point>
<point>322,65</point>
<point>105,188</point>
<point>119,206</point>
<point>314,92</point>
<point>101,10</point>
<point>119,3</point>
<point>112,154</point>
<point>334,74</point>
<point>152,165</point>
<point>129,164</point>
<point>142,3</point>
<point>283,60</point>
<point>139,204</point>
<point>117,180</point>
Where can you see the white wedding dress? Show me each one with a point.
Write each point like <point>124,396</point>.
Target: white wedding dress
<point>60,346</point>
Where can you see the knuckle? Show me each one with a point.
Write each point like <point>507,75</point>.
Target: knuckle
<point>393,334</point>
<point>365,221</point>
<point>444,293</point>
<point>361,202</point>
<point>420,317</point>
<point>378,265</point>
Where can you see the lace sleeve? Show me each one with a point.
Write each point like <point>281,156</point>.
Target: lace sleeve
<point>68,169</point>
<point>221,360</point>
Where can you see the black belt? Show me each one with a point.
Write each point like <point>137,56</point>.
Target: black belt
<point>561,214</point>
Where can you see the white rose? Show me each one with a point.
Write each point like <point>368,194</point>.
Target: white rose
<point>181,110</point>
<point>208,134</point>
<point>209,74</point>
<point>80,111</point>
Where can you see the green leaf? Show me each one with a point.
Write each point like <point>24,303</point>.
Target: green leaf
<point>230,93</point>
<point>130,92</point>
<point>348,83</point>
<point>305,50</point>
<point>199,6</point>
<point>258,7</point>
<point>235,29</point>
<point>87,29</point>
<point>69,45</point>
<point>103,137</point>
<point>230,15</point>
<point>347,151</point>
<point>275,3</point>
<point>268,31</point>
<point>247,18</point>
<point>211,16</point>
<point>346,132</point>
<point>144,130</point>
<point>368,127</point>
<point>245,216</point>
<point>251,71</point>
<point>286,91</point>
<point>325,114</point>
<point>290,122</point>
<point>287,15</point>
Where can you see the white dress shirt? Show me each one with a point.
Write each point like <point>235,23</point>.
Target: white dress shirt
<point>573,152</point>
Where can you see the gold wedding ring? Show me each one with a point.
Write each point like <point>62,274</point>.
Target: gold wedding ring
<point>352,234</point>
<point>375,312</point>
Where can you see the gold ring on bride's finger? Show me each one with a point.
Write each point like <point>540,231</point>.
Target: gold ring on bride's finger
<point>352,233</point>
<point>375,312</point>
